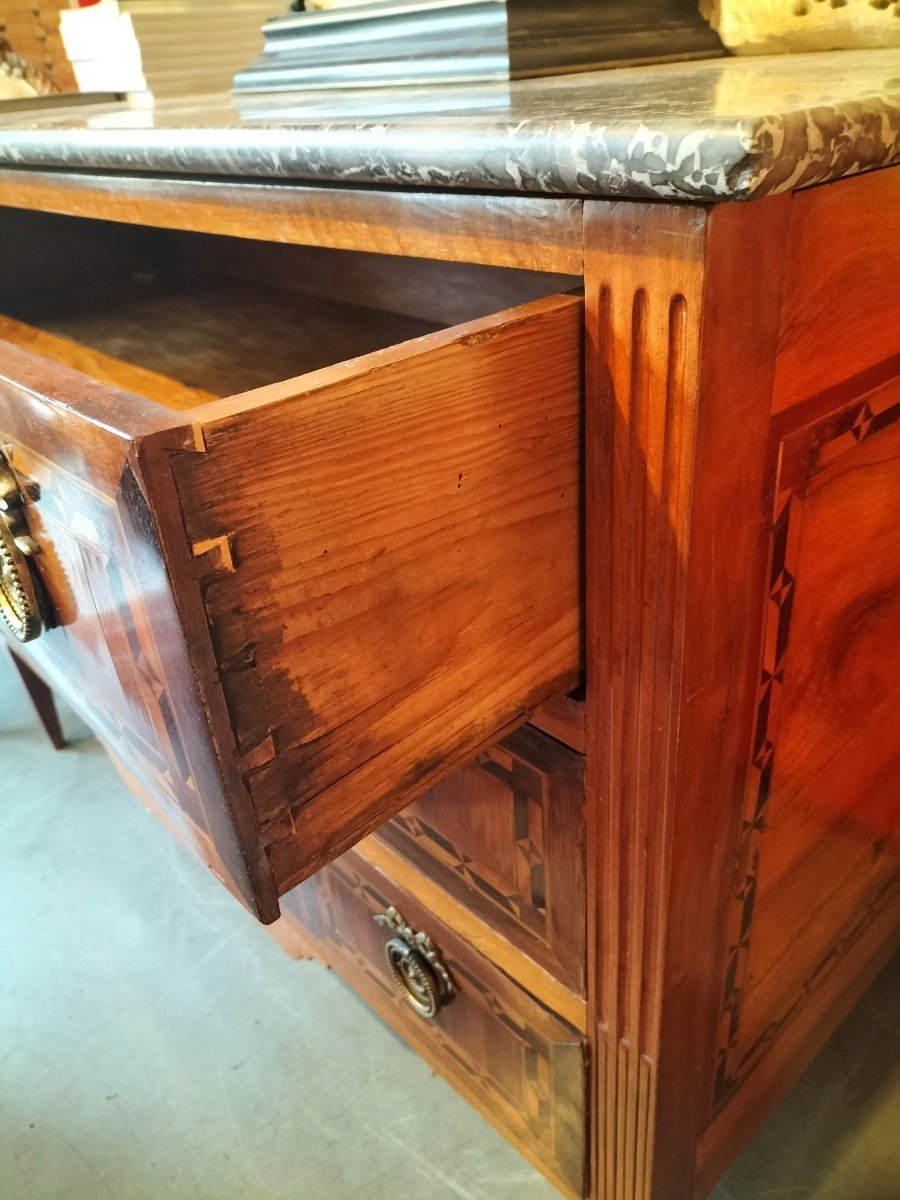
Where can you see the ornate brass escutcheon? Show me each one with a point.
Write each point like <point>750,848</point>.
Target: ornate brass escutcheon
<point>19,605</point>
<point>419,972</point>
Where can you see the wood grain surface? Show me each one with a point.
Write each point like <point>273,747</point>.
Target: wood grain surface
<point>504,835</point>
<point>221,336</point>
<point>841,308</point>
<point>816,892</point>
<point>442,476</point>
<point>116,651</point>
<point>102,367</point>
<point>293,613</point>
<point>518,1064</point>
<point>681,354</point>
<point>370,546</point>
<point>532,232</point>
<point>563,717</point>
<point>742,679</point>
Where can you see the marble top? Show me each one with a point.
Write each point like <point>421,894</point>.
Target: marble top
<point>713,130</point>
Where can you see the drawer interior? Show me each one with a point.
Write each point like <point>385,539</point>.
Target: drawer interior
<point>226,315</point>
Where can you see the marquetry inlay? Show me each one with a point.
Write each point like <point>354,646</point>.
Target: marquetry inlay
<point>801,456</point>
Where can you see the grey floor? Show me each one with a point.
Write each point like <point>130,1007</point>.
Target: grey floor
<point>155,1045</point>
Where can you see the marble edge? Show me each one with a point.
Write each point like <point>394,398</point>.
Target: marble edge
<point>679,159</point>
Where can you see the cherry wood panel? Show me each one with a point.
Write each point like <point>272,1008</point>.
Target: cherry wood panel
<point>817,861</point>
<point>505,835</point>
<point>516,1062</point>
<point>841,308</point>
<point>734,920</point>
<point>811,907</point>
<point>533,232</point>
<point>369,548</point>
<point>787,1057</point>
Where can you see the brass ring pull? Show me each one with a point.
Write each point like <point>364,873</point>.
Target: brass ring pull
<point>419,972</point>
<point>19,605</point>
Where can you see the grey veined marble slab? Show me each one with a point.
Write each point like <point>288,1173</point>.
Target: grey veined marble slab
<point>715,130</point>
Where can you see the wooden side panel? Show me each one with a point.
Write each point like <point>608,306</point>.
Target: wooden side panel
<point>387,553</point>
<point>687,496</point>
<point>785,1059</point>
<point>841,308</point>
<point>681,350</point>
<point>117,652</point>
<point>520,1066</point>
<point>819,852</point>
<point>813,905</point>
<point>505,836</point>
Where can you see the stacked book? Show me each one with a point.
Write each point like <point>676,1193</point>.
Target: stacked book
<point>102,48</point>
<point>349,43</point>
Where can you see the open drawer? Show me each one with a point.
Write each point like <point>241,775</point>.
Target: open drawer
<point>289,612</point>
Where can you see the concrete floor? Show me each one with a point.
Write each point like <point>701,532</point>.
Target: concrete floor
<point>155,1045</point>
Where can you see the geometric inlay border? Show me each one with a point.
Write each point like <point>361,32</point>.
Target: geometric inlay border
<point>528,902</point>
<point>801,455</point>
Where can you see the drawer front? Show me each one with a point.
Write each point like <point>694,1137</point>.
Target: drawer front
<point>292,611</point>
<point>523,1068</point>
<point>505,836</point>
<point>115,649</point>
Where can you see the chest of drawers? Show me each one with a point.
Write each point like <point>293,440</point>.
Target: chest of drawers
<point>501,594</point>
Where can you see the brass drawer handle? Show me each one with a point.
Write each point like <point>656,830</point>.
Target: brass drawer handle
<point>419,972</point>
<point>19,605</point>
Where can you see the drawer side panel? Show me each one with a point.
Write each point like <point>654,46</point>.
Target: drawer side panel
<point>386,556</point>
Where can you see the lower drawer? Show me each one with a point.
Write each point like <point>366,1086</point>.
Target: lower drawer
<point>520,1066</point>
<point>504,836</point>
